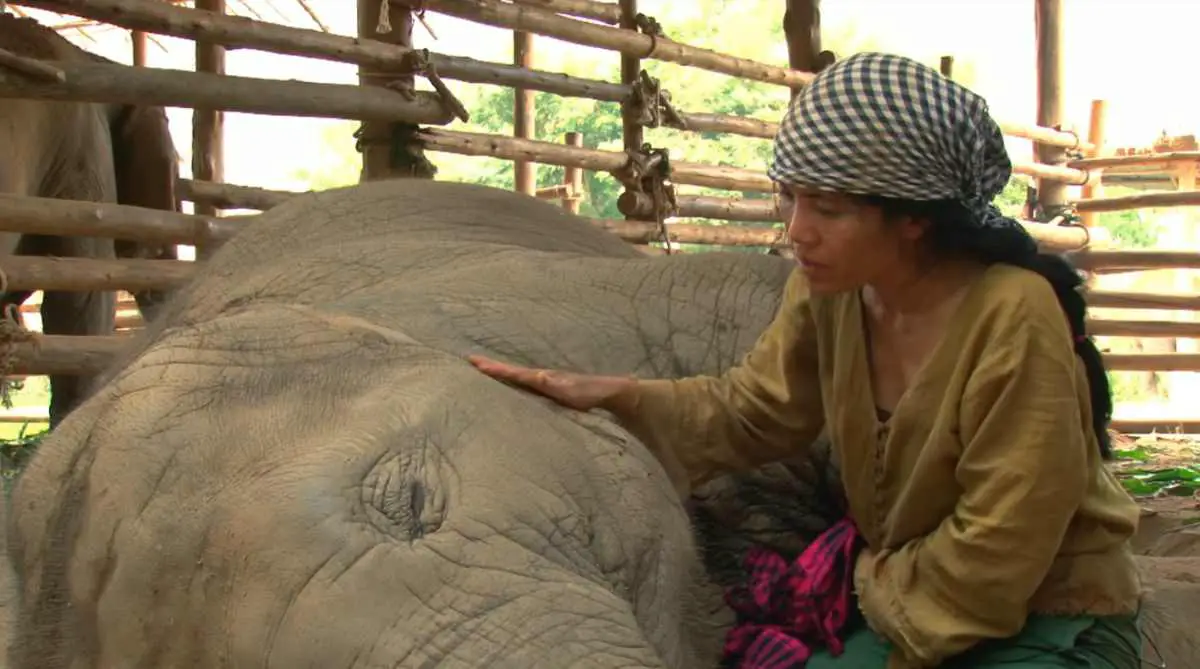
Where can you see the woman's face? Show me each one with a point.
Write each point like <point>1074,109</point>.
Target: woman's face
<point>842,243</point>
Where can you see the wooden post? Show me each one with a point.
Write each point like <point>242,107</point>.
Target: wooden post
<point>631,67</point>
<point>947,67</point>
<point>208,150</point>
<point>802,30</point>
<point>573,177</point>
<point>524,172</point>
<point>377,138</point>
<point>1096,131</point>
<point>1048,19</point>
<point>138,38</point>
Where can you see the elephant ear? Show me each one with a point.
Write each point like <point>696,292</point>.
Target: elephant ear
<point>144,159</point>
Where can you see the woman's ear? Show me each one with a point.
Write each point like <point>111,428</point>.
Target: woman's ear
<point>911,228</point>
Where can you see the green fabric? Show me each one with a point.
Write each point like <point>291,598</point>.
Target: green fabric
<point>1046,642</point>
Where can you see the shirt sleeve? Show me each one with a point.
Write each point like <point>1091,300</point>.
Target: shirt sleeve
<point>1023,473</point>
<point>764,409</point>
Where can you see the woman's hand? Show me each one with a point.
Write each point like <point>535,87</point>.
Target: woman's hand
<point>582,392</point>
<point>862,568</point>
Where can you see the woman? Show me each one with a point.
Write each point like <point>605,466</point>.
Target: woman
<point>948,360</point>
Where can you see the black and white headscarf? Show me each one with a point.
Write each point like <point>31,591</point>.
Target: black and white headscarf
<point>886,125</point>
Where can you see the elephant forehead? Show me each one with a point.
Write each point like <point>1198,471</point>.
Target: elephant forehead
<point>331,418</point>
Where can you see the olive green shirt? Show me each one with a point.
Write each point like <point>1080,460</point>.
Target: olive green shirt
<point>983,496</point>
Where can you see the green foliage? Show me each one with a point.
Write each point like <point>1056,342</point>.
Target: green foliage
<point>1011,200</point>
<point>1183,481</point>
<point>1130,229</point>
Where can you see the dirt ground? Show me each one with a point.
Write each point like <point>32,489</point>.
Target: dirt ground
<point>1163,473</point>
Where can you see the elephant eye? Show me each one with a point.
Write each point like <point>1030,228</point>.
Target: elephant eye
<point>398,498</point>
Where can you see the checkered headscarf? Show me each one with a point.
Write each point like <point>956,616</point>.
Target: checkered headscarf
<point>885,125</point>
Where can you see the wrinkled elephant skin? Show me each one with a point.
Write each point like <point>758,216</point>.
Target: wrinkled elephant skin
<point>296,467</point>
<point>81,151</point>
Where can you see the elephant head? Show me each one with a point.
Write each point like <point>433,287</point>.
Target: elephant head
<point>295,466</point>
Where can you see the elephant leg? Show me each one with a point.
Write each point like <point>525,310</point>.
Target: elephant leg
<point>77,313</point>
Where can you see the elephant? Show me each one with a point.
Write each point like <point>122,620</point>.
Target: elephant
<point>81,151</point>
<point>296,466</point>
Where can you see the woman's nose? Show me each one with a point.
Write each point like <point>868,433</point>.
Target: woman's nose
<point>800,230</point>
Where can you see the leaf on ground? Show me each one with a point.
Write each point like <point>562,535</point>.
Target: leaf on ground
<point>1174,481</point>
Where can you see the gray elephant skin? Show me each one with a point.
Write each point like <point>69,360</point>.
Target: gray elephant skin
<point>296,467</point>
<point>80,151</point>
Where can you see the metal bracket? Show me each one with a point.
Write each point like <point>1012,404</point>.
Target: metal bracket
<point>405,150</point>
<point>652,105</point>
<point>1072,152</point>
<point>418,62</point>
<point>648,25</point>
<point>12,332</point>
<point>648,171</point>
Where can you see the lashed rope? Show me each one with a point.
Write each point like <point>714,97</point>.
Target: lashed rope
<point>12,333</point>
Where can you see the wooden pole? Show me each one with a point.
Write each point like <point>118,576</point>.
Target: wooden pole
<point>631,67</point>
<point>1168,159</point>
<point>802,30</point>
<point>573,176</point>
<point>605,12</point>
<point>71,218</point>
<point>208,124</point>
<point>524,172</point>
<point>1097,124</point>
<point>1138,426</point>
<point>1048,19</point>
<point>67,355</point>
<point>230,196</point>
<point>1094,187</point>
<point>377,138</point>
<point>639,206</point>
<point>138,37</point>
<point>1118,328</point>
<point>947,67</point>
<point>1152,362</point>
<point>1106,299</point>
<point>1139,201</point>
<point>1113,262</point>
<point>517,17</point>
<point>121,84</point>
<point>91,275</point>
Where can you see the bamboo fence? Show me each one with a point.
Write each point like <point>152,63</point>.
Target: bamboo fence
<point>1063,161</point>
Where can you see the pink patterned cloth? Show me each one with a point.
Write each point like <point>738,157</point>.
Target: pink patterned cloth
<point>785,612</point>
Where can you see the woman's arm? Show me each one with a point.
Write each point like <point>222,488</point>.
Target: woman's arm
<point>1023,472</point>
<point>766,408</point>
